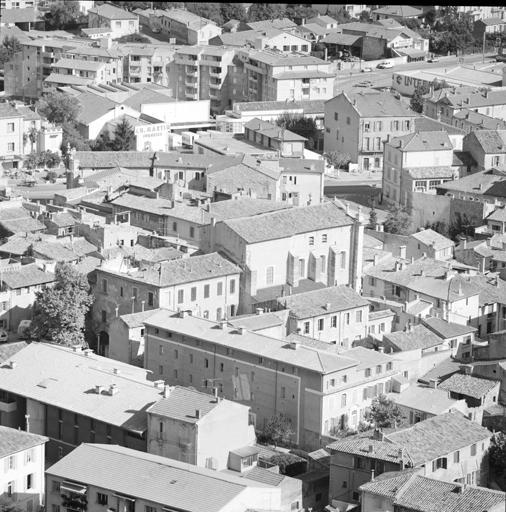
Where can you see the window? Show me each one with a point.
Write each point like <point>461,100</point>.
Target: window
<point>306,327</point>
<point>343,400</point>
<point>55,508</point>
<point>135,293</point>
<point>343,259</point>
<point>355,496</point>
<point>368,372</point>
<point>207,289</point>
<point>311,240</point>
<point>175,374</point>
<point>102,499</point>
<point>324,239</point>
<point>439,463</point>
<point>321,324</point>
<point>269,278</point>
<point>104,316</point>
<point>232,286</point>
<point>149,509</point>
<point>333,321</point>
<point>151,298</point>
<point>55,486</point>
<point>206,363</point>
<point>336,116</point>
<point>29,481</point>
<point>180,296</point>
<point>389,365</point>
<point>372,281</point>
<point>359,463</point>
<point>473,450</point>
<point>192,232</point>
<point>358,317</point>
<point>160,370</point>
<point>219,289</point>
<point>10,146</point>
<point>174,226</point>
<point>176,354</point>
<point>456,457</point>
<point>283,392</point>
<point>60,455</point>
<point>121,291</point>
<point>10,127</point>
<point>104,285</point>
<point>345,484</point>
<point>346,319</point>
<point>348,120</point>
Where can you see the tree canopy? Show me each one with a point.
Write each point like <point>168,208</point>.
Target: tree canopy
<point>124,135</point>
<point>59,107</point>
<point>64,13</point>
<point>337,159</point>
<point>417,101</point>
<point>262,12</point>
<point>8,506</point>
<point>373,218</point>
<point>297,11</point>
<point>385,413</point>
<point>230,11</point>
<point>299,124</point>
<point>398,220</point>
<point>497,455</point>
<point>278,430</point>
<point>208,10</point>
<point>61,308</point>
<point>133,38</point>
<point>452,33</point>
<point>10,46</point>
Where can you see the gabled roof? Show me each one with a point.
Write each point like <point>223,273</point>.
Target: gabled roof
<point>327,20</point>
<point>113,13</point>
<point>145,97</point>
<point>469,385</point>
<point>7,350</point>
<point>427,124</point>
<point>283,23</point>
<point>403,11</point>
<point>28,14</point>
<point>490,182</point>
<point>151,478</point>
<point>442,371</point>
<point>426,399</point>
<point>287,223</point>
<point>94,107</point>
<point>8,111</point>
<point>419,338</point>
<point>377,104</point>
<point>52,374</point>
<point>442,171</point>
<point>186,270</point>
<point>322,302</point>
<point>491,141</point>
<point>182,404</point>
<point>14,441</point>
<point>492,21</point>
<point>381,450</point>
<point>439,436</point>
<point>189,19</point>
<point>464,158</point>
<point>471,99</point>
<point>59,78</point>
<point>307,106</point>
<point>28,275</point>
<point>433,238</point>
<point>244,207</point>
<point>82,65</point>
<point>134,320</point>
<point>447,330</point>
<point>272,131</point>
<point>423,141</point>
<point>481,121</point>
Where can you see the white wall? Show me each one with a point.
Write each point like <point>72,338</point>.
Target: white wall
<point>178,111</point>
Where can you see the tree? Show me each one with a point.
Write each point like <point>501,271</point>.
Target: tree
<point>7,506</point>
<point>337,159</point>
<point>49,159</point>
<point>10,46</point>
<point>33,134</point>
<point>385,413</point>
<point>278,430</point>
<point>168,5</point>
<point>262,12</point>
<point>398,220</point>
<point>452,33</point>
<point>299,124</point>
<point>232,12</point>
<point>342,16</point>
<point>208,10</point>
<point>373,218</point>
<point>365,17</point>
<point>283,460</point>
<point>133,38</point>
<point>411,23</point>
<point>64,13</point>
<point>103,142</point>
<point>32,160</point>
<point>497,455</point>
<point>124,135</point>
<point>430,17</point>
<point>59,108</point>
<point>297,12</point>
<point>74,138</point>
<point>60,310</point>
<point>417,100</point>
<point>439,227</point>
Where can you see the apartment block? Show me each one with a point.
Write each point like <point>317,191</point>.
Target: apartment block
<point>359,124</point>
<point>319,392</point>
<point>23,462</point>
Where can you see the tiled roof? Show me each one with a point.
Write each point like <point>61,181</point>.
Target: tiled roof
<point>287,223</point>
<point>442,371</point>
<point>50,250</point>
<point>256,322</point>
<point>323,302</point>
<point>339,38</point>
<point>284,58</point>
<point>368,358</point>
<point>499,214</point>
<point>94,107</point>
<point>474,99</point>
<point>60,78</point>
<point>28,114</point>
<point>137,319</point>
<point>481,121</point>
<point>145,97</point>
<point>423,141</point>
<point>311,342</point>
<point>267,24</point>
<point>84,65</point>
<point>399,10</point>
<point>7,350</point>
<point>28,275</point>
<point>419,338</point>
<point>188,18</point>
<point>272,131</point>
<point>244,207</point>
<point>381,450</point>
<point>492,21</point>
<point>426,399</point>
<point>447,330</point>
<point>55,375</point>
<point>430,172</point>
<point>379,104</point>
<point>469,385</point>
<point>16,220</point>
<point>491,182</point>
<point>113,13</point>
<point>426,124</point>
<point>387,484</point>
<point>28,14</point>
<point>463,158</point>
<point>265,476</point>
<point>428,495</point>
<point>315,28</point>
<point>491,141</point>
<point>63,219</point>
<point>307,106</point>
<point>151,478</point>
<point>182,404</point>
<point>13,441</point>
<point>388,22</point>
<point>325,19</point>
<point>302,73</point>
<point>438,436</point>
<point>381,313</point>
<point>433,238</point>
<point>186,270</point>
<point>258,345</point>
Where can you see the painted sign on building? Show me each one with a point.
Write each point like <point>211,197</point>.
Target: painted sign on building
<point>153,137</point>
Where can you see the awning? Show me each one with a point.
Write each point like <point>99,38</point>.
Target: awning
<point>123,497</point>
<point>72,487</point>
<point>412,53</point>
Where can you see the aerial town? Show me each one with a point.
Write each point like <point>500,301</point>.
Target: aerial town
<point>252,257</point>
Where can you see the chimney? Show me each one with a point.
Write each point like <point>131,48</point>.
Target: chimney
<point>13,365</point>
<point>183,313</point>
<point>375,259</point>
<point>371,448</point>
<point>99,389</point>
<point>459,289</point>
<point>327,306</point>
<point>397,266</point>
<point>464,244</point>
<point>113,389</point>
<point>433,383</point>
<point>166,391</point>
<point>259,311</point>
<point>142,305</point>
<point>412,259</point>
<point>378,435</point>
<point>117,371</point>
<point>198,414</point>
<point>159,384</point>
<point>223,324</point>
<point>216,397</point>
<point>402,251</point>
<point>294,345</point>
<point>496,281</point>
<point>87,352</point>
<point>347,207</point>
<point>360,217</point>
<point>381,349</point>
<point>242,330</point>
<point>401,459</point>
<point>77,348</point>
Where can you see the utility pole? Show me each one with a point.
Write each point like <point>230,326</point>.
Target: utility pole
<point>484,34</point>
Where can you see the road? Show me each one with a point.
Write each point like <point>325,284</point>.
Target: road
<point>358,193</point>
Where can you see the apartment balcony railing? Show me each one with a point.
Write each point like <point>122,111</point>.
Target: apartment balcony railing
<point>191,95</point>
<point>193,85</point>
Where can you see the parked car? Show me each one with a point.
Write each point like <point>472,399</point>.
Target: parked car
<point>4,336</point>
<point>156,30</point>
<point>386,64</point>
<point>364,84</point>
<point>433,60</point>
<point>367,70</point>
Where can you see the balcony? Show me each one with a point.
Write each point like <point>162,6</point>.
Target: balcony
<point>8,404</point>
<point>214,95</point>
<point>192,72</point>
<point>185,60</point>
<point>47,54</point>
<point>193,85</point>
<point>215,72</point>
<point>215,86</point>
<point>253,78</point>
<point>190,95</point>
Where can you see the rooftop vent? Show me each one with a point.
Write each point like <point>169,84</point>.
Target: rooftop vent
<point>13,365</point>
<point>113,389</point>
<point>160,384</point>
<point>242,330</point>
<point>117,371</point>
<point>99,389</point>
<point>198,414</point>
